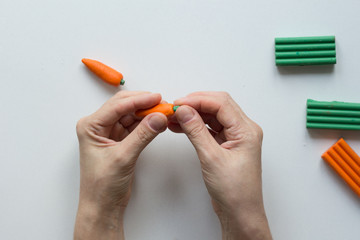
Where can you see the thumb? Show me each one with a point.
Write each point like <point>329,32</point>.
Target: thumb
<point>144,133</point>
<point>195,129</point>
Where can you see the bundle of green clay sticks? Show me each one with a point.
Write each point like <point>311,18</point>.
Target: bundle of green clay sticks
<point>334,115</point>
<point>299,51</point>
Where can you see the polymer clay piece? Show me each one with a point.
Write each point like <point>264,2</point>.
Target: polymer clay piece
<point>333,115</point>
<point>345,162</point>
<point>299,51</point>
<point>167,109</point>
<point>104,72</point>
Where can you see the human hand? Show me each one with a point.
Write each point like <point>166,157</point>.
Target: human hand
<point>229,150</point>
<point>110,142</point>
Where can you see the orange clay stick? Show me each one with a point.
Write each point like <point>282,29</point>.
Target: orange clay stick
<point>343,154</point>
<point>347,169</point>
<point>341,172</point>
<point>166,108</point>
<point>349,151</point>
<point>106,73</point>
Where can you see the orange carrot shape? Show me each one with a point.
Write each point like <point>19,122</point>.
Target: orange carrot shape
<point>166,108</point>
<point>106,73</point>
<point>345,162</point>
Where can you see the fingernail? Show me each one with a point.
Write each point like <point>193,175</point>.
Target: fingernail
<point>157,123</point>
<point>184,114</point>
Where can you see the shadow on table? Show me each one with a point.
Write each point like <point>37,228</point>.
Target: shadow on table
<point>304,70</point>
<point>332,133</point>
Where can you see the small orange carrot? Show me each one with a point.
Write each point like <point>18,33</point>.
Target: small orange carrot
<point>106,73</point>
<point>166,108</point>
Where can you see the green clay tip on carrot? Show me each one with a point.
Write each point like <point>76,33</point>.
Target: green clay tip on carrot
<point>106,73</point>
<point>175,108</point>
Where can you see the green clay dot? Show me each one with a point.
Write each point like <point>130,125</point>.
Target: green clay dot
<point>122,82</point>
<point>175,107</point>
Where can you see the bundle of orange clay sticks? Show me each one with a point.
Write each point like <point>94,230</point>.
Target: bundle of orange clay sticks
<point>342,158</point>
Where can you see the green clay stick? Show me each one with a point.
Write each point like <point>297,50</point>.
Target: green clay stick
<point>305,47</point>
<point>306,54</point>
<point>332,105</point>
<point>305,61</point>
<point>324,119</point>
<point>329,112</point>
<point>333,126</point>
<point>321,39</point>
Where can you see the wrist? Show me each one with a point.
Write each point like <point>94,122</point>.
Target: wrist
<point>245,225</point>
<point>94,223</point>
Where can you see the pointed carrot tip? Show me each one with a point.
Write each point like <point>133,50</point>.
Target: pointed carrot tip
<point>85,61</point>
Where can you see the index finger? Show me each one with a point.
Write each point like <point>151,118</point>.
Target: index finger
<point>227,112</point>
<point>115,107</point>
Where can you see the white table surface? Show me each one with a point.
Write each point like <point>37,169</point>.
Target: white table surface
<point>175,48</point>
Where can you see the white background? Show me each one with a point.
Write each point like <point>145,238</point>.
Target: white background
<point>174,48</point>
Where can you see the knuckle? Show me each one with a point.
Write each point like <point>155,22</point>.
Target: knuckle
<point>113,104</point>
<point>80,125</point>
<point>256,133</point>
<point>194,94</point>
<point>225,95</point>
<point>251,133</point>
<point>226,98</point>
<point>143,135</point>
<point>120,94</point>
<point>196,130</point>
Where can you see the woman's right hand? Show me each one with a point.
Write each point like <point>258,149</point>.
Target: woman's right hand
<point>230,155</point>
<point>111,140</point>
